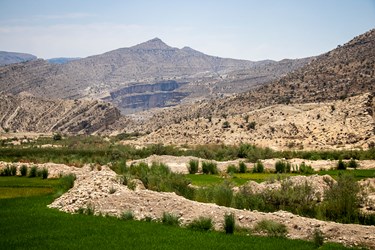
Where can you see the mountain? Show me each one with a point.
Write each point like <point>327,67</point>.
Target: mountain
<point>338,78</point>
<point>62,60</point>
<point>14,57</point>
<point>26,113</point>
<point>111,76</point>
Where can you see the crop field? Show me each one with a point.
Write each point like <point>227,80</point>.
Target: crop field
<point>27,223</point>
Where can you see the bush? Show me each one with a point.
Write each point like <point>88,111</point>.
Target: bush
<point>6,171</point>
<point>318,238</point>
<point>44,173</point>
<point>271,228</point>
<point>242,167</point>
<point>341,202</point>
<point>67,182</point>
<point>258,167</point>
<point>57,137</point>
<point>127,215</point>
<point>33,171</point>
<point>209,168</point>
<point>193,166</point>
<point>282,167</point>
<point>13,170</point>
<point>232,169</point>
<point>305,169</point>
<point>223,194</point>
<point>229,223</point>
<point>341,165</point>
<point>352,163</point>
<point>170,219</point>
<point>226,124</point>
<point>201,224</point>
<point>23,170</point>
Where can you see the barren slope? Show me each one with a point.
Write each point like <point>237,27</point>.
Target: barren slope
<point>338,124</point>
<point>23,113</point>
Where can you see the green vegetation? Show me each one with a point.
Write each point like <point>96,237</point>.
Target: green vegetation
<point>170,219</point>
<point>201,224</point>
<point>271,228</point>
<point>23,170</point>
<point>229,223</point>
<point>282,167</point>
<point>159,177</point>
<point>258,167</point>
<point>209,168</point>
<point>33,171</point>
<point>242,167</point>
<point>318,238</point>
<point>28,219</point>
<point>127,215</point>
<point>78,150</point>
<point>193,166</point>
<point>231,169</point>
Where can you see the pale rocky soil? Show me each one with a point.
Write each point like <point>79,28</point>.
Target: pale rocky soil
<point>102,189</point>
<point>347,124</point>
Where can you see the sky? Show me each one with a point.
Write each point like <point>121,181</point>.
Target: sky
<point>242,29</point>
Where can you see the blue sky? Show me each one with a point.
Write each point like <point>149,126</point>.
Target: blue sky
<point>244,29</point>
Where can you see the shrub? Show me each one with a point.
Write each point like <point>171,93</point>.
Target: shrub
<point>305,169</point>
<point>282,167</point>
<point>67,181</point>
<point>251,125</point>
<point>57,137</point>
<point>242,167</point>
<point>341,165</point>
<point>44,173</point>
<point>258,167</point>
<point>223,194</point>
<point>318,238</point>
<point>271,228</point>
<point>13,170</point>
<point>232,169</point>
<point>23,170</point>
<point>226,124</point>
<point>170,219</point>
<point>201,224</point>
<point>229,223</point>
<point>193,166</point>
<point>90,209</point>
<point>352,163</point>
<point>341,202</point>
<point>209,168</point>
<point>33,171</point>
<point>6,171</point>
<point>127,215</point>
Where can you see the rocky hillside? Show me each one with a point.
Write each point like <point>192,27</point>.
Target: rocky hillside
<point>25,113</point>
<point>331,125</point>
<point>345,71</point>
<point>14,57</point>
<point>107,75</point>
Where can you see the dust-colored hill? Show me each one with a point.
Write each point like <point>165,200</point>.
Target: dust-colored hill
<point>337,124</point>
<point>112,76</point>
<point>345,71</point>
<point>24,113</point>
<point>14,57</point>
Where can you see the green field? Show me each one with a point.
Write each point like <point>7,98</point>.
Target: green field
<point>240,179</point>
<point>27,223</point>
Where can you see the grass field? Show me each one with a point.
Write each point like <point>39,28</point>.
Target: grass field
<point>27,223</point>
<point>240,179</point>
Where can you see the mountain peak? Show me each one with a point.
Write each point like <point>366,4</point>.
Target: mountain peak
<point>155,43</point>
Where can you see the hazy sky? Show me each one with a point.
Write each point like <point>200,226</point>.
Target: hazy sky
<point>245,29</point>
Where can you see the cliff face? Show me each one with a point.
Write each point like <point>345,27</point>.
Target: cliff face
<point>25,113</point>
<point>142,97</point>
